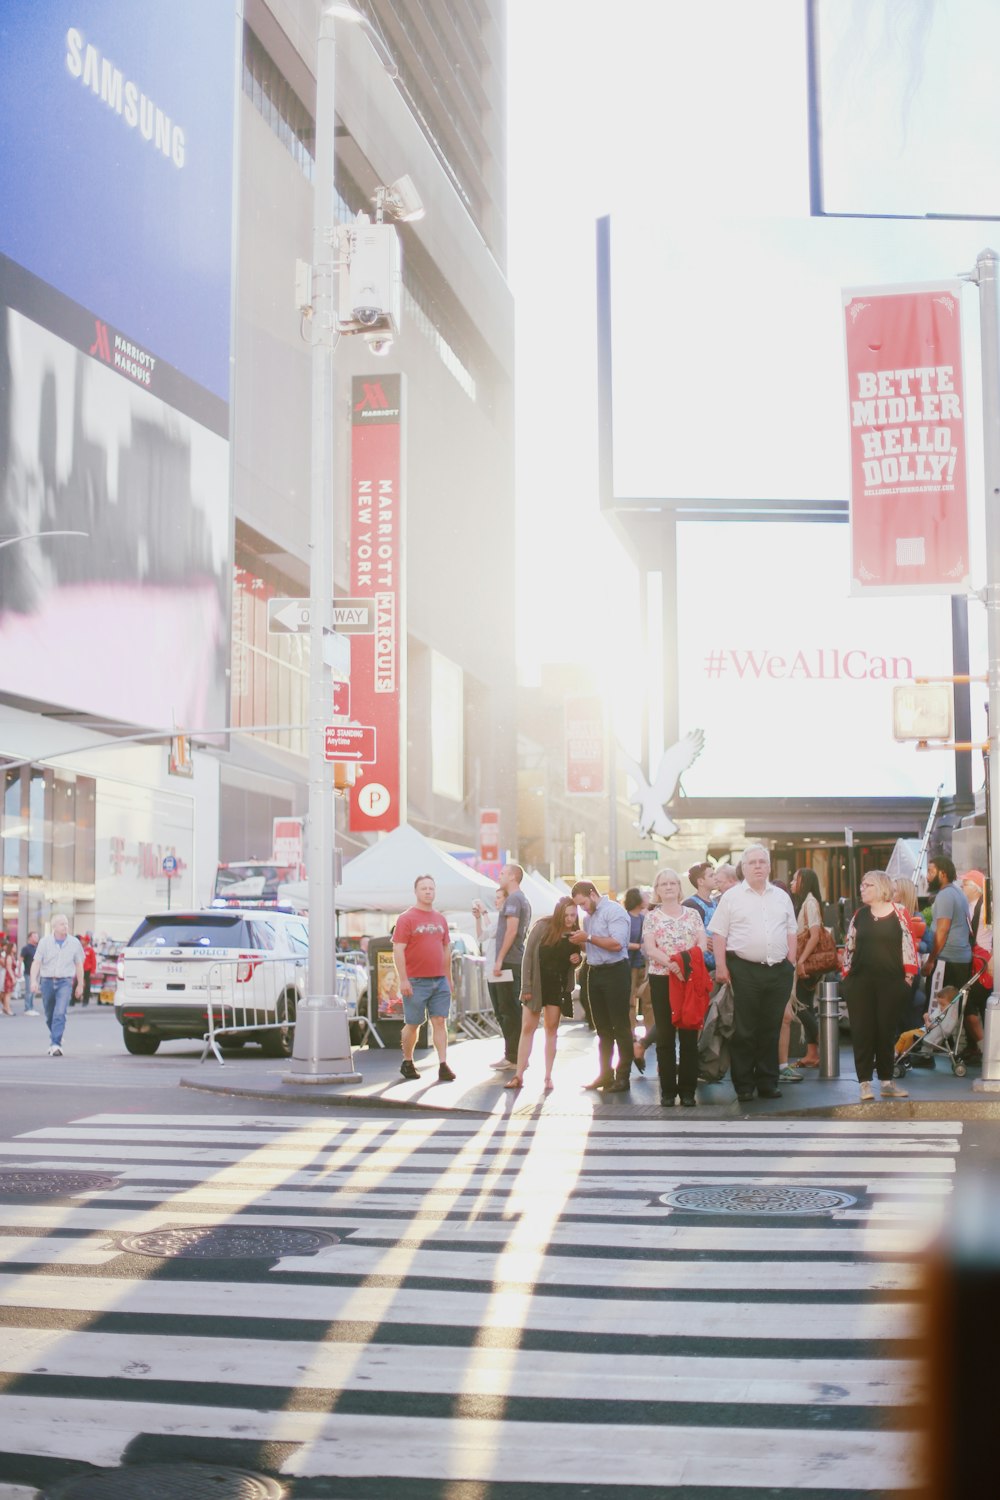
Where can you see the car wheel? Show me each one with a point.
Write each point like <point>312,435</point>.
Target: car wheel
<point>279,1043</point>
<point>140,1043</point>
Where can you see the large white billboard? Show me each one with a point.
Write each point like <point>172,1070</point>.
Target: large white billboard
<point>728,349</point>
<point>791,678</point>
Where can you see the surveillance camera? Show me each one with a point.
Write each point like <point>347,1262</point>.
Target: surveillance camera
<point>405,201</point>
<point>379,342</point>
<point>366,316</point>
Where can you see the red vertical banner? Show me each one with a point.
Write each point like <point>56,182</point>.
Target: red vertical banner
<point>584,718</point>
<point>489,835</point>
<point>377,573</point>
<point>909,510</point>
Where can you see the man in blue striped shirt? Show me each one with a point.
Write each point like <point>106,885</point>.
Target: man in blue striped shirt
<point>605,936</point>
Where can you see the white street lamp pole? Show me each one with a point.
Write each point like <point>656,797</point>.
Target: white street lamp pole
<point>322,1048</point>
<point>985,276</point>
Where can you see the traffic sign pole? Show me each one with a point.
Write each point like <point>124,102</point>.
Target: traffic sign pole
<point>322,1046</point>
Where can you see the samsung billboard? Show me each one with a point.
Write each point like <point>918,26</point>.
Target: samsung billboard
<point>115,335</point>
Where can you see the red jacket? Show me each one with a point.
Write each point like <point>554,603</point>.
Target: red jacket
<point>689,996</point>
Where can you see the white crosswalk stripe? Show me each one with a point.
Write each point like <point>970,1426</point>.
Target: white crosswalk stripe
<point>503,1302</point>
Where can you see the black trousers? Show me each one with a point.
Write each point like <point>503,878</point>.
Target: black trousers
<point>873,1007</point>
<point>760,994</point>
<point>672,1079</point>
<point>610,986</point>
<point>506,999</point>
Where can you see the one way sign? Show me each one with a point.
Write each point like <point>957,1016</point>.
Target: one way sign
<point>292,616</point>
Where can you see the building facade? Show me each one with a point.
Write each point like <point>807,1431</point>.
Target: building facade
<point>244,536</point>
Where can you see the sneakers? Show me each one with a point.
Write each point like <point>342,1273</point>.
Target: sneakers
<point>445,1075</point>
<point>867,1093</point>
<point>31,1013</point>
<point>503,1065</point>
<point>890,1090</point>
<point>55,1050</point>
<point>408,1070</point>
<point>788,1074</point>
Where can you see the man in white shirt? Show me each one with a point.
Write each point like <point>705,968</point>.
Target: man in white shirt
<point>56,970</point>
<point>754,942</point>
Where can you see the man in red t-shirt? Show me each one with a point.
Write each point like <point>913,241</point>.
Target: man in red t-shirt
<point>421,946</point>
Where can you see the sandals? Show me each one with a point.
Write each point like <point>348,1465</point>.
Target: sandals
<point>515,1081</point>
<point>548,1086</point>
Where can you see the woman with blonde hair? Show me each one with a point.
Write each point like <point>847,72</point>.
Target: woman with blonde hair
<point>668,931</point>
<point>880,965</point>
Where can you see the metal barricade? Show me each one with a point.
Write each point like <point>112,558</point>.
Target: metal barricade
<point>345,992</point>
<point>253,996</point>
<point>472,1010</point>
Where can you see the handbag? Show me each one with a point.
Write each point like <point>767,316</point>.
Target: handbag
<point>980,961</point>
<point>822,958</point>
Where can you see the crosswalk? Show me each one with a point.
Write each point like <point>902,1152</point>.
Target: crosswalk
<point>510,1305</point>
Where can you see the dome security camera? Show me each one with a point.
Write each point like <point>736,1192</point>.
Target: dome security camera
<point>379,342</point>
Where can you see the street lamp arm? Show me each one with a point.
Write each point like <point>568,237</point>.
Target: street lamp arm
<point>214,731</point>
<point>341,12</point>
<point>33,536</point>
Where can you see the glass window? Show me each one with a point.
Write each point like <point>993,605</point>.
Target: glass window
<point>63,826</point>
<point>447,727</point>
<point>86,819</point>
<point>261,935</point>
<point>298,937</point>
<point>13,826</point>
<point>222,931</point>
<point>39,827</point>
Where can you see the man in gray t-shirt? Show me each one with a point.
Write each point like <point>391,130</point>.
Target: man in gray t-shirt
<point>512,928</point>
<point>950,960</point>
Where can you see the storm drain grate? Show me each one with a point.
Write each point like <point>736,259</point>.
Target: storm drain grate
<point>735,1199</point>
<point>169,1482</point>
<point>227,1242</point>
<point>15,1183</point>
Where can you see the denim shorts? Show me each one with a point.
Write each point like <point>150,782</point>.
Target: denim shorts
<point>431,997</point>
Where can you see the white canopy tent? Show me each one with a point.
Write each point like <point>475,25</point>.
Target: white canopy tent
<point>541,893</point>
<point>381,878</point>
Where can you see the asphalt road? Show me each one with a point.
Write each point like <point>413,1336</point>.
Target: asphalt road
<point>376,1304</point>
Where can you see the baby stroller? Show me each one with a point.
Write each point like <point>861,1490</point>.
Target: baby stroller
<point>942,1034</point>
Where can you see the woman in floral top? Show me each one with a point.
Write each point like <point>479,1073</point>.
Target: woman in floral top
<point>669,929</point>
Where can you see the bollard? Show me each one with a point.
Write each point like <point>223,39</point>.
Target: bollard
<point>829,1029</point>
<point>989,1080</point>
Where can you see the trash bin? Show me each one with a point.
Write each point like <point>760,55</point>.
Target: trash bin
<point>829,1029</point>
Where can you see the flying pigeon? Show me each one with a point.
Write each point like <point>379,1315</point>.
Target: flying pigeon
<point>651,800</point>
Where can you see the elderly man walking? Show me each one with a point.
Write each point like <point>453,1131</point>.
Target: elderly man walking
<point>754,941</point>
<point>56,971</point>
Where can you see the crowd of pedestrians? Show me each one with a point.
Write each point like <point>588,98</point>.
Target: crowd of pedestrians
<point>659,957</point>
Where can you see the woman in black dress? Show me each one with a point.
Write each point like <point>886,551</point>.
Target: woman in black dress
<point>546,976</point>
<point>880,963</point>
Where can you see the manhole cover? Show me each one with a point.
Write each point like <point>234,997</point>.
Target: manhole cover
<point>169,1482</point>
<point>729,1199</point>
<point>53,1184</point>
<point>228,1242</point>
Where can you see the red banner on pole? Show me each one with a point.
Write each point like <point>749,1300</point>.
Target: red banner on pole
<point>376,574</point>
<point>489,835</point>
<point>585,746</point>
<point>909,512</point>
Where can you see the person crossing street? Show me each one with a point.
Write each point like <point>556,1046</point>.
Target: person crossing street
<point>56,974</point>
